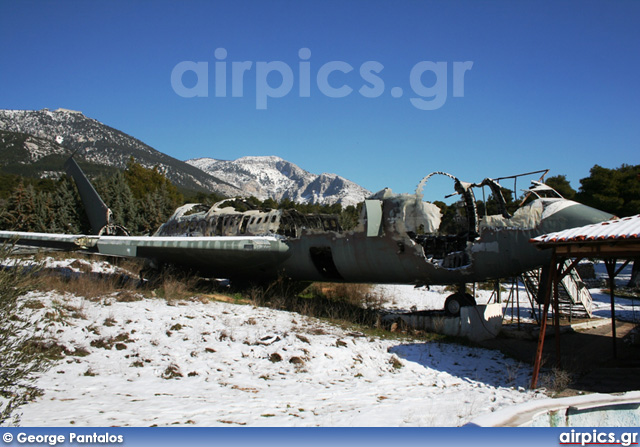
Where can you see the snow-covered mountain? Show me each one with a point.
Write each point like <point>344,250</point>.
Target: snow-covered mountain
<point>273,177</point>
<point>33,135</point>
<point>38,141</point>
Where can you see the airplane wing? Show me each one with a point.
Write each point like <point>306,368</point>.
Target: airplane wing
<point>223,256</point>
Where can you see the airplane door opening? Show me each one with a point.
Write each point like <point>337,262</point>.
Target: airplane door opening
<point>322,259</point>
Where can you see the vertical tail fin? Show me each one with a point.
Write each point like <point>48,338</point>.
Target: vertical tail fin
<point>97,211</point>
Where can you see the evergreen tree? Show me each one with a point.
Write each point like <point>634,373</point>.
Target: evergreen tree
<point>350,216</point>
<point>70,214</point>
<point>45,213</point>
<point>616,191</point>
<point>21,209</point>
<point>562,185</point>
<point>155,209</point>
<point>143,181</point>
<point>117,195</point>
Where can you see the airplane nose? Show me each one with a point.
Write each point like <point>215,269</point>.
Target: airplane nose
<point>569,214</point>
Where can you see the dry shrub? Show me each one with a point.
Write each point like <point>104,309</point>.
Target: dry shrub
<point>295,360</point>
<point>351,302</point>
<point>110,342</point>
<point>356,294</point>
<point>82,266</point>
<point>172,372</point>
<point>176,286</point>
<point>20,353</point>
<point>556,380</point>
<point>91,286</point>
<point>303,339</point>
<point>355,303</point>
<point>395,362</point>
<point>127,296</point>
<point>131,266</point>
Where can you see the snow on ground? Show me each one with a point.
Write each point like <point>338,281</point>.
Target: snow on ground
<point>71,265</point>
<point>153,362</point>
<point>625,309</point>
<point>408,298</point>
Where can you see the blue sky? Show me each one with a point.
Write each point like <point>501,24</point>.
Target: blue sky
<point>552,84</point>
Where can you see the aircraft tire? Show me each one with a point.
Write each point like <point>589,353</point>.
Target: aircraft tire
<point>455,302</point>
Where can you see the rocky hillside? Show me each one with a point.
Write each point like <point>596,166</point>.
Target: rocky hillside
<point>36,143</point>
<point>44,136</point>
<point>273,177</point>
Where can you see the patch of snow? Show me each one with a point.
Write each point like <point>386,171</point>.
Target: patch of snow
<point>153,362</point>
<point>407,297</point>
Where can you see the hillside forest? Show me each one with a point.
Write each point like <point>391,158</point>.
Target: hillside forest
<point>142,199</point>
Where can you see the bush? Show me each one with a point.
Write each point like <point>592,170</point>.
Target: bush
<point>355,303</point>
<point>20,361</point>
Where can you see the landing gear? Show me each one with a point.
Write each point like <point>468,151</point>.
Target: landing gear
<point>457,301</point>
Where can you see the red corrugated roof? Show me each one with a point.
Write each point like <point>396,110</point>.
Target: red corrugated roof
<point>618,229</point>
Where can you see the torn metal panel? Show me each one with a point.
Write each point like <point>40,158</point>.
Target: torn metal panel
<point>526,217</point>
<point>373,211</point>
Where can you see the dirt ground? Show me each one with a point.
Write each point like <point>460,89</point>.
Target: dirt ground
<point>586,356</point>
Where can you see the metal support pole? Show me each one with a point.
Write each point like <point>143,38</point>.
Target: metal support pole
<point>515,281</point>
<point>543,323</point>
<point>556,310</point>
<point>611,271</point>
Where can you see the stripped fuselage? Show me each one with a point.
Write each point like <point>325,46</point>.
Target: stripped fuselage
<point>397,240</point>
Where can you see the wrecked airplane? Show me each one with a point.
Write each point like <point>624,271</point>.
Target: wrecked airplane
<point>399,239</point>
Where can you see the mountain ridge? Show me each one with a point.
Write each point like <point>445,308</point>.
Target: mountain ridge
<point>273,177</point>
<point>37,141</point>
<point>101,144</point>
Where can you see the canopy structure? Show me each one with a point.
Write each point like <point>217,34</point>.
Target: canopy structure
<point>613,240</point>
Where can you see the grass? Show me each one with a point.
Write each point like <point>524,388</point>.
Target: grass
<point>355,303</point>
<point>624,292</point>
<point>556,380</point>
<point>351,306</point>
<point>23,352</point>
<point>91,286</point>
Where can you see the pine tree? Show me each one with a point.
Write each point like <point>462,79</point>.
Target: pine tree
<point>45,213</point>
<point>155,209</point>
<point>70,215</point>
<point>119,198</point>
<point>21,209</point>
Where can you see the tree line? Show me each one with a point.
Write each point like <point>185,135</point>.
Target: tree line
<point>142,199</point>
<point>616,191</point>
